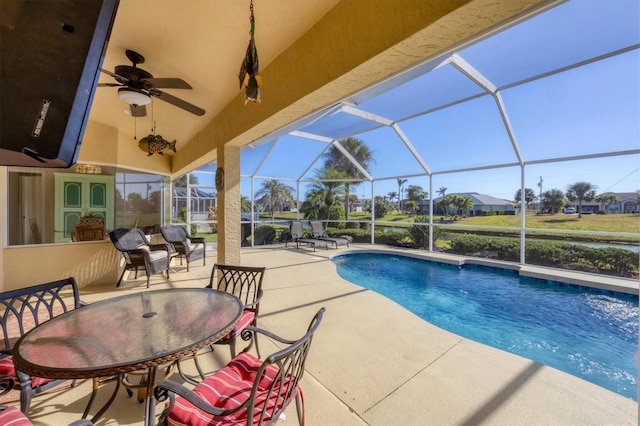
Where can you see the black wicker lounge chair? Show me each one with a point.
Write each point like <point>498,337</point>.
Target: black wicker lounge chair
<point>317,231</point>
<point>138,252</point>
<point>298,236</point>
<point>191,248</point>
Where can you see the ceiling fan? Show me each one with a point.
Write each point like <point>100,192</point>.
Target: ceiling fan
<point>137,86</point>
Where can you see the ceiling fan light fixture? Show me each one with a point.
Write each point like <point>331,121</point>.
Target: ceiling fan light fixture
<point>133,96</point>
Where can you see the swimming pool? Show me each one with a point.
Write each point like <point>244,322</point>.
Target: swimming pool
<point>591,334</point>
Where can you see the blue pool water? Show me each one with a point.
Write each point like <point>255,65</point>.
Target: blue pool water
<point>590,334</point>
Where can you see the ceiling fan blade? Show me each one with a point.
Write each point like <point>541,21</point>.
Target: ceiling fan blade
<point>138,111</point>
<point>109,85</point>
<point>167,83</point>
<point>119,78</point>
<point>178,102</point>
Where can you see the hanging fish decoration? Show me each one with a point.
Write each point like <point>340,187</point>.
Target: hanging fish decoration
<point>249,75</point>
<point>156,144</point>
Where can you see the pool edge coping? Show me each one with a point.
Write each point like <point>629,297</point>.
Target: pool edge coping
<point>584,279</point>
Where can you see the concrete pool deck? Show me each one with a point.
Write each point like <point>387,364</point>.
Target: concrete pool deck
<point>373,362</point>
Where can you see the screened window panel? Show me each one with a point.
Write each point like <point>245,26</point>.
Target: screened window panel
<point>340,125</point>
<point>463,136</point>
<point>298,153</point>
<point>567,34</point>
<point>589,110</point>
<point>442,86</point>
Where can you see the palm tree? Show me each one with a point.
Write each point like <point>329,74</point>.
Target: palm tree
<point>326,189</point>
<point>442,190</point>
<point>606,199</point>
<point>334,158</point>
<point>400,183</point>
<point>392,195</point>
<point>462,204</point>
<point>581,191</point>
<point>274,194</point>
<point>245,204</point>
<point>447,203</point>
<point>529,196</point>
<point>416,193</point>
<point>552,199</point>
<point>412,207</point>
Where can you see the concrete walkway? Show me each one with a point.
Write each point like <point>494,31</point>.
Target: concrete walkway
<point>372,362</point>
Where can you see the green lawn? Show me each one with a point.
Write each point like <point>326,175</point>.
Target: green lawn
<point>627,223</point>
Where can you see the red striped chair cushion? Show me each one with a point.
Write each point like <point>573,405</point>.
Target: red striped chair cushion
<point>245,321</point>
<point>11,416</point>
<point>7,369</point>
<point>228,388</point>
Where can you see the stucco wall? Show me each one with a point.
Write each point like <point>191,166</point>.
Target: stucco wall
<point>90,263</point>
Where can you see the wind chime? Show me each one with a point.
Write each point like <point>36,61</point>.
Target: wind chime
<point>249,75</point>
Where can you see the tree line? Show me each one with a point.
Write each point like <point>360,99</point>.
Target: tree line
<point>332,194</point>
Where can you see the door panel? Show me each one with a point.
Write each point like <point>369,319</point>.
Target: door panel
<point>79,195</point>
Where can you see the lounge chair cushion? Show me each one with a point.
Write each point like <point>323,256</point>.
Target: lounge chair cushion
<point>194,246</point>
<point>245,321</point>
<point>7,369</point>
<point>12,416</point>
<point>227,388</point>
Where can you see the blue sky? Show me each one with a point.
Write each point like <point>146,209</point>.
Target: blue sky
<point>585,111</point>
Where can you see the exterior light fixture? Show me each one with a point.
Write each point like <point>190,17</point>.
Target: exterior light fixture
<point>88,169</point>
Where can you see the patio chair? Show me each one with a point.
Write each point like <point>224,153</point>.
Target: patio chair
<point>246,283</point>
<point>10,415</point>
<point>298,236</point>
<point>20,311</point>
<point>138,252</point>
<point>317,231</point>
<point>191,248</point>
<point>247,390</point>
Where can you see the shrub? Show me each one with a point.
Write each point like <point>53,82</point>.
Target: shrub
<point>265,234</point>
<point>419,234</point>
<point>336,212</point>
<point>393,238</point>
<point>611,261</point>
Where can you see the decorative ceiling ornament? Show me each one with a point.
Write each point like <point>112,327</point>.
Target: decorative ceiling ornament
<point>156,144</point>
<point>249,75</point>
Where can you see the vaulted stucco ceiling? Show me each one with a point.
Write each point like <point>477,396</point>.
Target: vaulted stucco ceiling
<point>202,42</point>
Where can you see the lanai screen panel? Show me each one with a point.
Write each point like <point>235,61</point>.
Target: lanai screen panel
<point>291,157</point>
<point>588,110</point>
<point>442,86</point>
<point>340,125</point>
<point>466,135</point>
<point>567,79</point>
<point>562,36</point>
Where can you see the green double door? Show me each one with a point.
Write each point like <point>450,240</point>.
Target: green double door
<point>79,195</point>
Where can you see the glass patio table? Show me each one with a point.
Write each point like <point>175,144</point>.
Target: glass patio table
<point>137,331</point>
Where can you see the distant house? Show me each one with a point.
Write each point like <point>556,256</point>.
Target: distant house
<point>481,203</point>
<point>627,203</point>
<point>199,201</point>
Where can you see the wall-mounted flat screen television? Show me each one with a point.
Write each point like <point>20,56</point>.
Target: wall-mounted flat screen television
<point>51,52</point>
